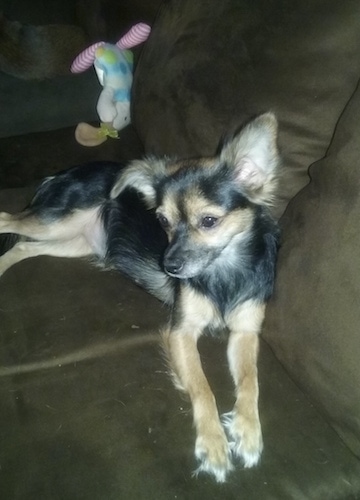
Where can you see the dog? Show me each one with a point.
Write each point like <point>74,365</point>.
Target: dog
<point>196,233</point>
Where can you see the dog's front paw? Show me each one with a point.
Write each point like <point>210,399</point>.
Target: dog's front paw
<point>245,437</point>
<point>213,452</point>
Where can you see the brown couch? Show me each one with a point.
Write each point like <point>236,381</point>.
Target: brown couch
<point>87,410</point>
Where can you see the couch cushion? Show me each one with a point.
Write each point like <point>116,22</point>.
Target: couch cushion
<point>313,320</point>
<point>32,106</point>
<point>210,65</point>
<point>87,409</point>
<point>28,158</point>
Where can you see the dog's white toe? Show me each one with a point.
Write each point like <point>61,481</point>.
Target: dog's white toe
<point>214,454</point>
<point>245,437</point>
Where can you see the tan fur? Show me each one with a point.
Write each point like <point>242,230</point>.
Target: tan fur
<point>180,343</point>
<point>66,238</point>
<point>197,312</point>
<point>181,349</point>
<point>211,440</point>
<point>231,224</point>
<point>76,247</point>
<point>244,427</point>
<point>170,209</point>
<point>207,162</point>
<point>196,208</point>
<point>32,227</point>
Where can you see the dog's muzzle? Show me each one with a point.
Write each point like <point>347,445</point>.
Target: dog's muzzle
<point>173,266</point>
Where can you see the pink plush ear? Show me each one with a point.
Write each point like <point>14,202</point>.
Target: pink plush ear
<point>85,59</point>
<point>136,35</point>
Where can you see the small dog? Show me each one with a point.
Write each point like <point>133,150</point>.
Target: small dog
<point>198,235</point>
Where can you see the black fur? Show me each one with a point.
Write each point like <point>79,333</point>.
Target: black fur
<point>76,188</point>
<point>251,272</point>
<point>249,276</point>
<point>136,243</point>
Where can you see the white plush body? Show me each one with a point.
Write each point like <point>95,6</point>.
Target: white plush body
<point>114,69</point>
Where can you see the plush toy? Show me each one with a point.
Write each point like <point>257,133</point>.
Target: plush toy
<point>114,68</point>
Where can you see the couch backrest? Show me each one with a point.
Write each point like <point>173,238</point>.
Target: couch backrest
<point>210,65</point>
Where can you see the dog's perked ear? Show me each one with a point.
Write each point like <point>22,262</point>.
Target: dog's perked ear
<point>142,175</point>
<point>253,154</point>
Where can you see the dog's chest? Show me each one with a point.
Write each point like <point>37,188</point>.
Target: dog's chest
<point>225,294</point>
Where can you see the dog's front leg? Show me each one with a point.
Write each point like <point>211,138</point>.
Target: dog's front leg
<point>243,423</point>
<point>211,448</point>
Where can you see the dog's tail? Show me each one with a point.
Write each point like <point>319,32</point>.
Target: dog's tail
<point>7,241</point>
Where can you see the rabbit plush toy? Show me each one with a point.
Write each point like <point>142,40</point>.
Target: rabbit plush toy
<point>114,67</point>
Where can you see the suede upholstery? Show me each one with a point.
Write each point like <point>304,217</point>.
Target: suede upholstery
<point>222,62</point>
<point>87,410</point>
<point>313,321</point>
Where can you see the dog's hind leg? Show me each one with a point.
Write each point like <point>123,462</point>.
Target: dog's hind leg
<point>243,423</point>
<point>180,341</point>
<point>76,247</point>
<point>12,223</point>
<point>77,235</point>
<point>28,224</point>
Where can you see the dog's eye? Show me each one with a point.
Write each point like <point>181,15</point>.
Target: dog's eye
<point>163,221</point>
<point>209,221</point>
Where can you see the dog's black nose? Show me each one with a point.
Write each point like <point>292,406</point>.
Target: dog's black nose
<point>173,266</point>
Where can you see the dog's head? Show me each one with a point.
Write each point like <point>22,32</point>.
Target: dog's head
<point>207,206</point>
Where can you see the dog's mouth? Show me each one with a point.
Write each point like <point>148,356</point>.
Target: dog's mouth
<point>182,276</point>
<point>189,264</point>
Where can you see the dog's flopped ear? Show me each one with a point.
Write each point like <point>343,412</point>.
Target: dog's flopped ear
<point>253,154</point>
<point>143,176</point>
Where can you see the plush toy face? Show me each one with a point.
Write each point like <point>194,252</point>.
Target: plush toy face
<point>114,68</point>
